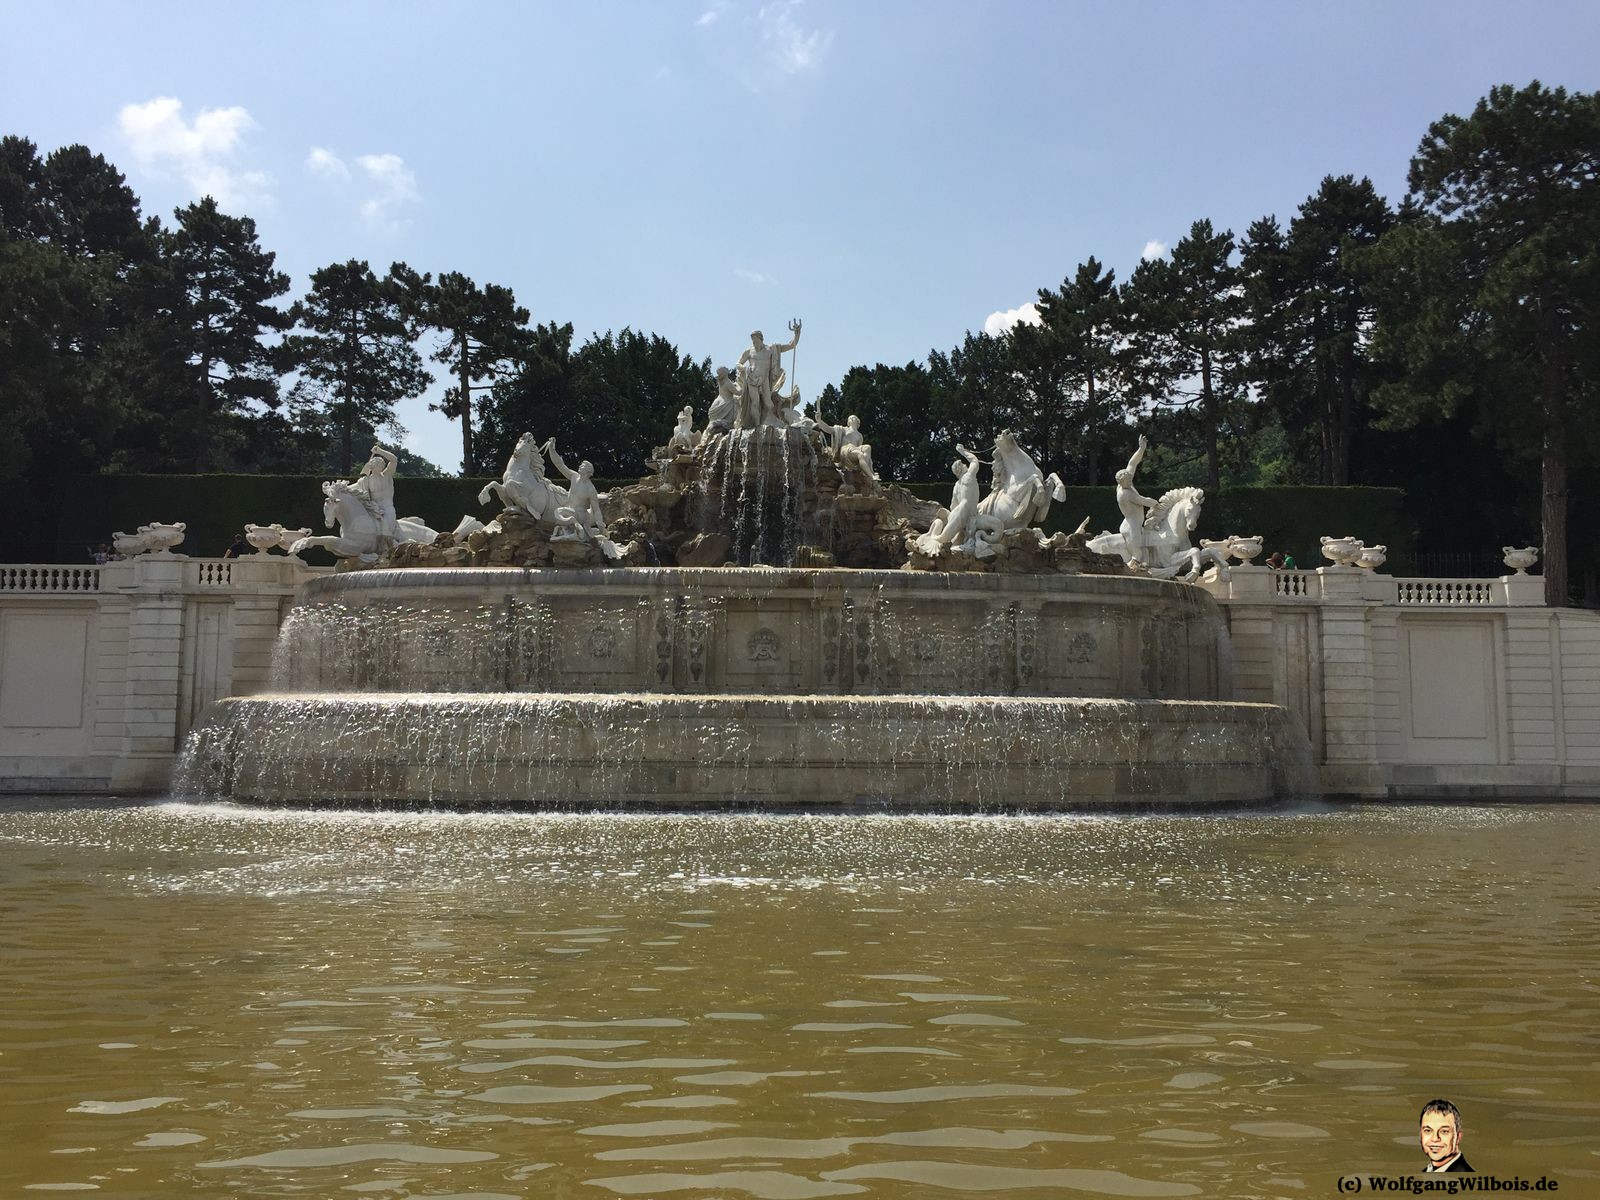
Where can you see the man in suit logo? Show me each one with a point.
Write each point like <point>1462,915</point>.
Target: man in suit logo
<point>1441,1137</point>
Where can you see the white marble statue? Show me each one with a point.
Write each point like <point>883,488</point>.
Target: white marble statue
<point>375,489</point>
<point>582,496</point>
<point>761,372</point>
<point>365,515</point>
<point>1020,494</point>
<point>466,527</point>
<point>571,527</point>
<point>1168,536</point>
<point>682,439</point>
<point>792,415</point>
<point>963,527</point>
<point>155,538</point>
<point>725,409</point>
<point>523,487</point>
<point>1134,507</point>
<point>849,445</point>
<point>1157,535</point>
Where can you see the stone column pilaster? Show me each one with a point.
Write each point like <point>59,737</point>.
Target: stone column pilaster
<point>1350,758</point>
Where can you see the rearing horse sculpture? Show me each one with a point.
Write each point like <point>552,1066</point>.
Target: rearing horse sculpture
<point>1021,493</point>
<point>358,528</point>
<point>524,487</point>
<point>1167,532</point>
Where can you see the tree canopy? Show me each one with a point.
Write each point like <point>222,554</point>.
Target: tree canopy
<point>1451,335</point>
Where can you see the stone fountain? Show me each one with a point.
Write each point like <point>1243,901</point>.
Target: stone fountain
<point>759,621</point>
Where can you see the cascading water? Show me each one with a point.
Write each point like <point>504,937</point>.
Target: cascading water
<point>771,687</point>
<point>761,490</point>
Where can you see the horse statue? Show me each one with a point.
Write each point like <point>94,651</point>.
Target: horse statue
<point>1167,533</point>
<point>524,487</point>
<point>358,528</point>
<point>1021,493</point>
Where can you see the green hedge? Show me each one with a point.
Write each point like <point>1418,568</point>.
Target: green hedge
<point>218,506</point>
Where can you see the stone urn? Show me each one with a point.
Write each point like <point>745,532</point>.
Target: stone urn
<point>156,538</point>
<point>1372,557</point>
<point>1244,548</point>
<point>1341,552</point>
<point>263,537</point>
<point>1520,560</point>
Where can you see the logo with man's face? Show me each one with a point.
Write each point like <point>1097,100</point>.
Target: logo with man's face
<point>1440,1134</point>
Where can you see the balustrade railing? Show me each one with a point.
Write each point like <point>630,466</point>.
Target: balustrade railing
<point>1451,593</point>
<point>1296,584</point>
<point>46,578</point>
<point>217,572</point>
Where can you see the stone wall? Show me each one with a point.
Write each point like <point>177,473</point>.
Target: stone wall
<point>1414,688</point>
<point>1405,687</point>
<point>103,670</point>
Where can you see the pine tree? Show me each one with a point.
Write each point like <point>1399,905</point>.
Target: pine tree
<point>209,308</point>
<point>1084,321</point>
<point>535,400</point>
<point>1183,319</point>
<point>1311,316</point>
<point>358,349</point>
<point>1490,299</point>
<point>71,240</point>
<point>485,337</point>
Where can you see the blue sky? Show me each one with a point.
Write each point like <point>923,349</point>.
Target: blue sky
<point>894,173</point>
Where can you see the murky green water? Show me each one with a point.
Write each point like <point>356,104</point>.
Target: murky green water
<point>214,1002</point>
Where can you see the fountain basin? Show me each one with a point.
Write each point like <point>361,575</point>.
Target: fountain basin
<point>599,751</point>
<point>756,631</point>
<point>763,687</point>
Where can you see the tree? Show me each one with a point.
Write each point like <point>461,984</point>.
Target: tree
<point>1310,317</point>
<point>71,239</point>
<point>206,309</point>
<point>1490,299</point>
<point>358,349</point>
<point>627,389</point>
<point>976,392</point>
<point>610,402</point>
<point>535,399</point>
<point>1083,324</point>
<point>485,337</point>
<point>1183,320</point>
<point>896,405</point>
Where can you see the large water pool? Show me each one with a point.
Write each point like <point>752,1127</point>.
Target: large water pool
<point>207,1001</point>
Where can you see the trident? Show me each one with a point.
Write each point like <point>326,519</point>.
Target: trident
<point>794,360</point>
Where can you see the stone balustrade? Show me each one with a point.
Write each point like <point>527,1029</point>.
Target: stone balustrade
<point>1423,687</point>
<point>104,669</point>
<point>1405,687</point>
<point>43,577</point>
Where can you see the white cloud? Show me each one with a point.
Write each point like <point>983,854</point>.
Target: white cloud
<point>710,16</point>
<point>1153,250</point>
<point>395,187</point>
<point>997,323</point>
<point>381,185</point>
<point>199,152</point>
<point>750,276</point>
<point>790,48</point>
<point>327,164</point>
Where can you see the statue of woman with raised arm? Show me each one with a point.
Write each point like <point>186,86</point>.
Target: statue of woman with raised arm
<point>375,489</point>
<point>1132,506</point>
